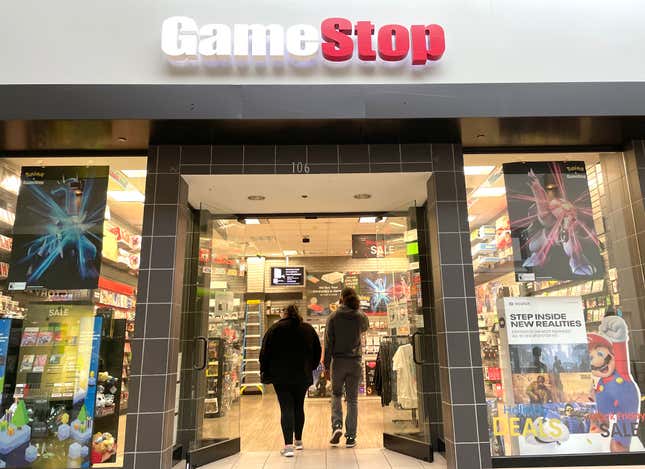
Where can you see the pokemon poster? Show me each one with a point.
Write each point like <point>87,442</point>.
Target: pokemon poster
<point>58,232</point>
<point>552,223</point>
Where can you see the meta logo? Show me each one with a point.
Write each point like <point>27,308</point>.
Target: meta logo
<point>337,40</point>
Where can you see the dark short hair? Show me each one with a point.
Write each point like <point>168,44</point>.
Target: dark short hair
<point>347,291</point>
<point>349,298</point>
<point>292,312</point>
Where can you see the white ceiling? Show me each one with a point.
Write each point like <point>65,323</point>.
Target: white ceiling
<point>328,236</point>
<point>326,193</point>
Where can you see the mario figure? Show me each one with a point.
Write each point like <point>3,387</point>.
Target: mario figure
<point>616,392</point>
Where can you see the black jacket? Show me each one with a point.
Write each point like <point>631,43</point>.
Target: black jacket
<point>343,334</point>
<point>290,353</point>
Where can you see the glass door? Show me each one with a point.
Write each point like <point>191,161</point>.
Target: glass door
<point>211,376</point>
<point>397,296</point>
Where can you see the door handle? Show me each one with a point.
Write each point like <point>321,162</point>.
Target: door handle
<point>414,348</point>
<point>204,353</point>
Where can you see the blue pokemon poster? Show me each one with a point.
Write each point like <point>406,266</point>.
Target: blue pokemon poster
<point>58,232</point>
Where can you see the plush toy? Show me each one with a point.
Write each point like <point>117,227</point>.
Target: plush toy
<point>103,446</point>
<point>617,395</point>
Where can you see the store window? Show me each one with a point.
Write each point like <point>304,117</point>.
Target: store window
<point>70,239</point>
<point>559,293</point>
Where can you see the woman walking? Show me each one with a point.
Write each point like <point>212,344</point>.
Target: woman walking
<point>290,353</point>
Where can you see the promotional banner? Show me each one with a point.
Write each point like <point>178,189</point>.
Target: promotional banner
<point>378,289</point>
<point>567,391</point>
<point>5,331</point>
<point>365,246</point>
<point>322,290</point>
<point>551,220</point>
<point>58,231</point>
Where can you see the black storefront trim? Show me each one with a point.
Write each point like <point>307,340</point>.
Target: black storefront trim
<point>601,460</point>
<point>213,452</point>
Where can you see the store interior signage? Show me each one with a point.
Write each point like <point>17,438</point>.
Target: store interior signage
<point>335,40</point>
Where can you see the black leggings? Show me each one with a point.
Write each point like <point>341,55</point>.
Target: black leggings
<point>292,409</point>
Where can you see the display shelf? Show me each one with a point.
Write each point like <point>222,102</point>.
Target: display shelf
<point>120,266</point>
<point>503,268</point>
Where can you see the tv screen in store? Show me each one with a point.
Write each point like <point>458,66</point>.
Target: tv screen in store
<point>287,276</point>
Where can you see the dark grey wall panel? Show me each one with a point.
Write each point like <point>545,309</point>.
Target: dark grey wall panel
<point>320,101</point>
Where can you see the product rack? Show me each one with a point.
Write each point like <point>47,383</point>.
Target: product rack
<point>251,348</point>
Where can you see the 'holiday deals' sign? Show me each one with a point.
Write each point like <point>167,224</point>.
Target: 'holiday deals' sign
<point>184,42</point>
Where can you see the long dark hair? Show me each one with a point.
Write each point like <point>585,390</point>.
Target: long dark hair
<point>291,312</point>
<point>350,299</point>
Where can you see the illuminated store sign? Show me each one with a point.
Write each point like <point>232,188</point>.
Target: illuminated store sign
<point>336,40</point>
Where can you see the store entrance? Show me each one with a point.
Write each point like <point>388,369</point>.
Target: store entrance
<point>258,248</point>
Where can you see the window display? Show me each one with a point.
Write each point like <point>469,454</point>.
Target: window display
<point>67,308</point>
<point>555,295</point>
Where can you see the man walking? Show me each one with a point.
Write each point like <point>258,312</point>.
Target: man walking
<point>343,356</point>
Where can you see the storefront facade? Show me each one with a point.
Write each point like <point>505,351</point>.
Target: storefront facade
<point>528,118</point>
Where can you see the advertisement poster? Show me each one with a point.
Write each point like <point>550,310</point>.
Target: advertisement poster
<point>571,392</point>
<point>5,331</point>
<point>58,231</point>
<point>378,289</point>
<point>551,220</point>
<point>322,291</point>
<point>365,246</point>
<point>50,423</point>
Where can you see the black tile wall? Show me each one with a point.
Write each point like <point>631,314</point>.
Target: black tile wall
<point>156,345</point>
<point>455,314</point>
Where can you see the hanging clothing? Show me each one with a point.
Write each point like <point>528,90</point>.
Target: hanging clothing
<point>406,378</point>
<point>384,373</point>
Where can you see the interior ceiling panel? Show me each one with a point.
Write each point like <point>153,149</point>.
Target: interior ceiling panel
<point>325,193</point>
<point>327,236</point>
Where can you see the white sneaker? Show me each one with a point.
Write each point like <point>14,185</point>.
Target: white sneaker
<point>297,444</point>
<point>287,451</point>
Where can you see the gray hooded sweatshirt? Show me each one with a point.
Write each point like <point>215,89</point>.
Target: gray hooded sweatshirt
<point>343,334</point>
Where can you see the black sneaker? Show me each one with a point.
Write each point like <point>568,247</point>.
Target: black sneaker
<point>335,437</point>
<point>350,442</point>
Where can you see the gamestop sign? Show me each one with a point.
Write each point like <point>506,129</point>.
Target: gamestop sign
<point>183,41</point>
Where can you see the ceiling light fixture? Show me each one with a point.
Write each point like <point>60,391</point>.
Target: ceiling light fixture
<point>122,139</point>
<point>256,197</point>
<point>489,192</point>
<point>135,173</point>
<point>126,196</point>
<point>290,252</point>
<point>362,196</point>
<point>478,170</point>
<point>251,221</point>
<point>371,219</point>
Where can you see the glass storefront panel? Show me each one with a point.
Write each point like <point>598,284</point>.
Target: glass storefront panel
<point>70,241</point>
<point>559,292</point>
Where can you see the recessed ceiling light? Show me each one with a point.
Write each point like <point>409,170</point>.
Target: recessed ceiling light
<point>256,197</point>
<point>478,170</point>
<point>362,196</point>
<point>289,252</point>
<point>251,221</point>
<point>368,219</point>
<point>304,196</point>
<point>489,192</point>
<point>126,196</point>
<point>122,139</point>
<point>135,173</point>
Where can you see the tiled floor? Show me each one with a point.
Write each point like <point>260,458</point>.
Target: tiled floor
<point>333,458</point>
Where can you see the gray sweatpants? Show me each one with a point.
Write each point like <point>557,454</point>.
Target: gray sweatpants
<point>347,372</point>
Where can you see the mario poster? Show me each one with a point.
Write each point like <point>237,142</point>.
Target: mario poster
<point>616,393</point>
